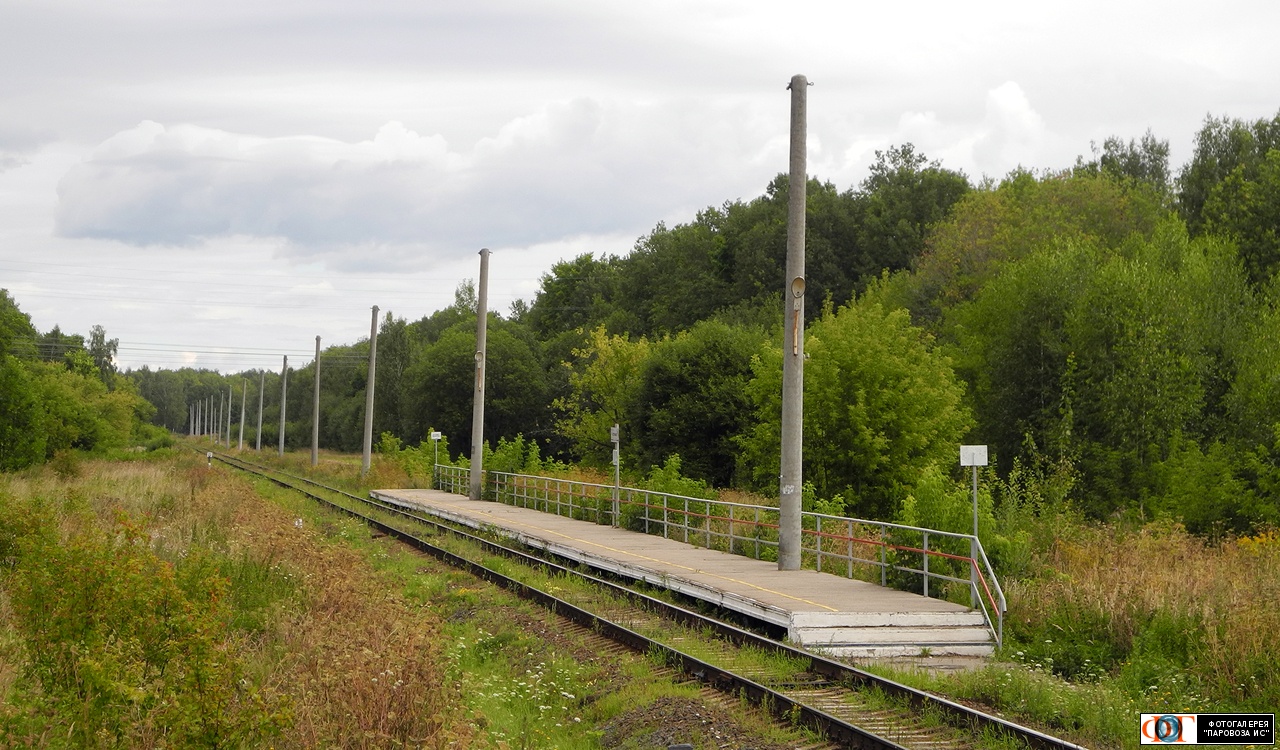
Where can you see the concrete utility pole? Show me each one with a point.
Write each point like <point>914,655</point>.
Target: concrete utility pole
<point>244,393</point>
<point>368,395</point>
<point>230,395</point>
<point>315,412</point>
<point>195,426</point>
<point>477,404</point>
<point>791,479</point>
<point>262,382</point>
<point>217,422</point>
<point>615,436</point>
<point>284,391</point>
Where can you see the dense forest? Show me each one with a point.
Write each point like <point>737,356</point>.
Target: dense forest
<point>1111,330</point>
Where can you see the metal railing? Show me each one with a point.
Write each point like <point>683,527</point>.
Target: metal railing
<point>851,547</point>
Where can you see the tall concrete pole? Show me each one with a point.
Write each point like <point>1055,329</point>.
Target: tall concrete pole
<point>477,404</point>
<point>230,396</point>
<point>244,393</point>
<point>284,391</point>
<point>197,423</point>
<point>368,395</point>
<point>262,382</point>
<point>791,479</point>
<point>315,412</point>
<point>217,422</point>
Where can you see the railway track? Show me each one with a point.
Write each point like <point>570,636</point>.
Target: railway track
<point>847,706</point>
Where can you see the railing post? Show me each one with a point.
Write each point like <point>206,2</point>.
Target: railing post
<point>926,563</point>
<point>849,536</point>
<point>731,538</point>
<point>756,533</point>
<point>817,537</point>
<point>884,562</point>
<point>973,572</point>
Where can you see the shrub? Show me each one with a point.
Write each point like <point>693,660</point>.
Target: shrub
<point>122,646</point>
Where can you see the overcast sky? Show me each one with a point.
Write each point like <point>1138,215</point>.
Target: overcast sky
<point>243,176</point>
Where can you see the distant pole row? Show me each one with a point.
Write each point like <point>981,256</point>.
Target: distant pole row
<point>206,419</point>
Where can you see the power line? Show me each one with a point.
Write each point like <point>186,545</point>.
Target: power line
<point>202,274</point>
<point>158,302</point>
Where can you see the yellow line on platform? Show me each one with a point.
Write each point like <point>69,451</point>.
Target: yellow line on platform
<point>507,520</point>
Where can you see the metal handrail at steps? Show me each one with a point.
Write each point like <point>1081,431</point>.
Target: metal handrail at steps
<point>831,544</point>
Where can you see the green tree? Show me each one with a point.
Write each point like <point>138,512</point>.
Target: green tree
<point>670,279</point>
<point>1251,404</point>
<point>987,229</point>
<point>1010,345</point>
<point>1103,356</point>
<point>1223,145</point>
<point>880,405</point>
<point>604,381</point>
<point>1144,161</point>
<point>22,430</point>
<point>441,384</point>
<point>901,199</point>
<point>103,351</point>
<point>390,400</point>
<point>575,294</point>
<point>691,399</point>
<point>54,345</point>
<point>17,335</point>
<point>1245,206</point>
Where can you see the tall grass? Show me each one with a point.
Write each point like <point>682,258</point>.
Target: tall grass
<point>163,603</point>
<point>1187,623</point>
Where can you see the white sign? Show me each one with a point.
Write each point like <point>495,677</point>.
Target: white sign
<point>613,433</point>
<point>973,455</point>
<point>436,436</point>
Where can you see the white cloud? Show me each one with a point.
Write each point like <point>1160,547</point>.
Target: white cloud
<point>575,167</point>
<point>1013,134</point>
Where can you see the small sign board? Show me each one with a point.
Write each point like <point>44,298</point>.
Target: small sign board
<point>436,436</point>
<point>973,455</point>
<point>613,433</point>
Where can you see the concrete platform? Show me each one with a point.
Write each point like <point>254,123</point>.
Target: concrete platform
<point>836,615</point>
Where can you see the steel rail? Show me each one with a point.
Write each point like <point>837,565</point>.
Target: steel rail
<point>781,705</point>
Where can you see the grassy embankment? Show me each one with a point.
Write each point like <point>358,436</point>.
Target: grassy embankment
<point>1113,622</point>
<point>158,603</point>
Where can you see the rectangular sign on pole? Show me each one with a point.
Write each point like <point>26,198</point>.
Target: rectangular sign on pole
<point>973,455</point>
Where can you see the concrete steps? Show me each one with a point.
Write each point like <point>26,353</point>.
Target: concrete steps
<point>892,634</point>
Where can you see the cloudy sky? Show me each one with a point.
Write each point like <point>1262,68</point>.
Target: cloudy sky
<point>218,183</point>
